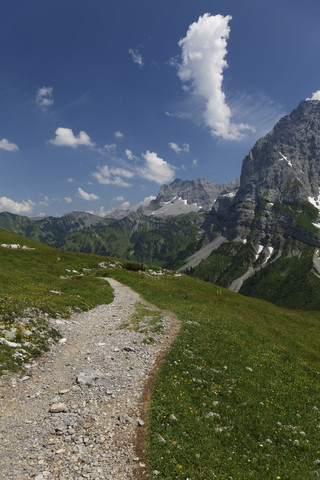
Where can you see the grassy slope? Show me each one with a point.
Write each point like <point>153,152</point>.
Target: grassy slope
<point>242,380</point>
<point>164,242</point>
<point>29,282</point>
<point>288,282</point>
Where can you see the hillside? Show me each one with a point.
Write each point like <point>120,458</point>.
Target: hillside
<point>241,379</point>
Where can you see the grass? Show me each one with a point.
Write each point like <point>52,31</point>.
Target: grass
<point>145,320</point>
<point>238,395</point>
<point>37,284</point>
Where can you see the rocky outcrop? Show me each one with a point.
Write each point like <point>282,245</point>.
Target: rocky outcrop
<point>279,183</point>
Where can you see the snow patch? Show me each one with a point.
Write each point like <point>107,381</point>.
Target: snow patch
<point>260,248</point>
<point>285,159</point>
<point>315,201</point>
<point>229,195</point>
<point>271,250</point>
<point>317,225</point>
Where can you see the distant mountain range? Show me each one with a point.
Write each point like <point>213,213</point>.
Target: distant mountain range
<point>259,235</point>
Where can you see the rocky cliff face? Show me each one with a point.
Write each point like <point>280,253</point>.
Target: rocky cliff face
<point>279,183</point>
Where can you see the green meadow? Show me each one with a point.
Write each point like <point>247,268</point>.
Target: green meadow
<point>237,396</point>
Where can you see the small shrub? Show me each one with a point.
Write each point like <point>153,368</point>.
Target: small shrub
<point>134,266</point>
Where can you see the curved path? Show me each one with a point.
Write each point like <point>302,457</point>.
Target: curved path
<point>79,413</point>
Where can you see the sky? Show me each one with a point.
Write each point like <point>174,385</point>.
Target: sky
<point>102,102</point>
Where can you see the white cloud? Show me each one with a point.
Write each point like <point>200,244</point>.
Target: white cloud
<point>118,134</point>
<point>44,96</point>
<point>8,205</point>
<point>201,70</point>
<point>122,172</point>
<point>45,202</point>
<point>66,138</point>
<point>87,196</point>
<point>182,115</point>
<point>195,162</point>
<point>102,212</point>
<point>129,154</point>
<point>110,148</point>
<point>119,199</point>
<point>145,202</point>
<point>136,57</point>
<point>111,176</point>
<point>71,180</point>
<point>124,206</point>
<point>120,182</point>
<point>184,148</point>
<point>315,96</point>
<point>68,199</point>
<point>156,169</point>
<point>9,147</point>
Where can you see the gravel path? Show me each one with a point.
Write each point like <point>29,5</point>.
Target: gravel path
<point>80,411</point>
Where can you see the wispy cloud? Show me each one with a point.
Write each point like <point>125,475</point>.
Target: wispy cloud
<point>8,146</point>
<point>113,176</point>
<point>118,134</point>
<point>44,97</point>
<point>119,199</point>
<point>203,52</point>
<point>8,205</point>
<point>68,199</point>
<point>136,57</point>
<point>87,196</point>
<point>156,169</point>
<point>259,110</point>
<point>66,138</point>
<point>175,147</point>
<point>111,148</point>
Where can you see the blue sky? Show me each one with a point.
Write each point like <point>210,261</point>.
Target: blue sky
<point>103,101</point>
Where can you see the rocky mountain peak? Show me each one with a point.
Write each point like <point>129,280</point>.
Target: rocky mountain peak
<point>201,192</point>
<point>282,169</point>
<point>285,164</point>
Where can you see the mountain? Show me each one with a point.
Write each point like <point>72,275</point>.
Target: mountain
<point>186,196</point>
<point>266,239</point>
<point>48,229</point>
<point>164,241</point>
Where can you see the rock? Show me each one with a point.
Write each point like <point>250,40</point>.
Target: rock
<point>140,422</point>
<point>124,417</point>
<point>128,349</point>
<point>95,378</point>
<point>58,408</point>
